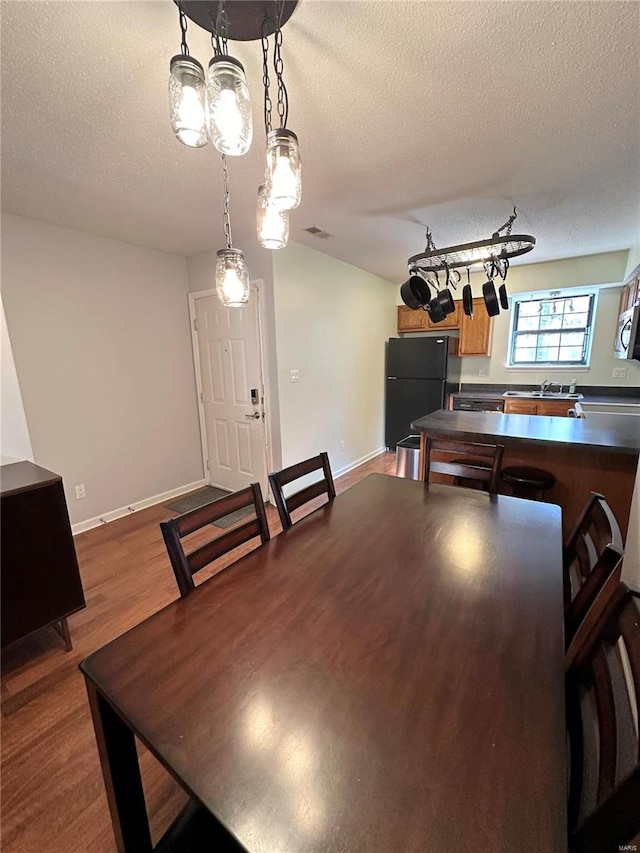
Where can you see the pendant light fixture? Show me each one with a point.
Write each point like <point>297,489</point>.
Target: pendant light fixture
<point>187,94</point>
<point>273,223</point>
<point>284,170</point>
<point>229,118</point>
<point>232,277</point>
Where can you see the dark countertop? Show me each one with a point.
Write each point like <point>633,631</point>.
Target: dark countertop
<point>617,433</point>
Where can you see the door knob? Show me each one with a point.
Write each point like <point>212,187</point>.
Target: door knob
<point>255,416</point>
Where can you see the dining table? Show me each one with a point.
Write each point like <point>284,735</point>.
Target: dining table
<point>386,676</point>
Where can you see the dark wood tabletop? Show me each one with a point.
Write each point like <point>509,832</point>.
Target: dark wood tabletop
<point>385,676</point>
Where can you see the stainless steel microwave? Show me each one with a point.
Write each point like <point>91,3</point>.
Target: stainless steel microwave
<point>628,334</point>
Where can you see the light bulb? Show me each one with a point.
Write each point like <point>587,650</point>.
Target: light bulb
<point>186,101</point>
<point>229,118</point>
<point>284,178</point>
<point>232,278</point>
<point>273,223</point>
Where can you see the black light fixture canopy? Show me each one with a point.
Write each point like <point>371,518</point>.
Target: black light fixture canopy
<point>247,20</point>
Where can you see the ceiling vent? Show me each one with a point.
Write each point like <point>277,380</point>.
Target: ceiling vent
<point>317,232</point>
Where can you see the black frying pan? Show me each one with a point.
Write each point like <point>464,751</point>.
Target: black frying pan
<point>502,294</point>
<point>490,298</point>
<point>502,290</point>
<point>415,292</point>
<point>467,297</point>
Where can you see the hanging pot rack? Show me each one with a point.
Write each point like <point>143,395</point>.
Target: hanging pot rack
<point>469,254</point>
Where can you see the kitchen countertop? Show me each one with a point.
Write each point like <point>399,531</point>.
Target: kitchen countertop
<point>611,432</point>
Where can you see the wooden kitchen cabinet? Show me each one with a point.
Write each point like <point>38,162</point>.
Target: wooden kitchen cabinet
<point>475,334</point>
<point>412,321</point>
<point>631,291</point>
<point>40,578</point>
<point>520,406</point>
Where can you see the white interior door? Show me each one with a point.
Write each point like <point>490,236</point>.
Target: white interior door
<point>230,382</point>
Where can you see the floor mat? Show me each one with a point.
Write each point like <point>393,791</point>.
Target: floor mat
<point>206,496</point>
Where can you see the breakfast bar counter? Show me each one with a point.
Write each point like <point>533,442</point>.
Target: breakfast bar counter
<point>599,453</point>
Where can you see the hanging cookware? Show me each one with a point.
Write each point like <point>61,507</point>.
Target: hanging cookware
<point>436,313</point>
<point>445,301</point>
<point>467,297</point>
<point>502,290</point>
<point>415,292</point>
<point>490,298</point>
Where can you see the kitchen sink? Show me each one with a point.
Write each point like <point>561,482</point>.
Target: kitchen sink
<point>548,395</point>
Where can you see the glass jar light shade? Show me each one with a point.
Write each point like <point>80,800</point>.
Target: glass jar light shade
<point>232,278</point>
<point>229,116</point>
<point>284,171</point>
<point>273,223</point>
<point>187,101</point>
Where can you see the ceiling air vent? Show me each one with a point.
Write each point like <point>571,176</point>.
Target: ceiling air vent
<point>317,232</point>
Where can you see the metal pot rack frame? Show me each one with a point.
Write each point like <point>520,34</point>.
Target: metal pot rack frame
<point>471,254</point>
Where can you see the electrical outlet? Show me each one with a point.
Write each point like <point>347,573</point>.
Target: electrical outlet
<point>619,372</point>
<point>81,492</point>
<point>294,375</point>
<point>481,371</point>
<point>342,445</point>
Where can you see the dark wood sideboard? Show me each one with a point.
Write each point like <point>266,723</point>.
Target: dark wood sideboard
<point>40,579</point>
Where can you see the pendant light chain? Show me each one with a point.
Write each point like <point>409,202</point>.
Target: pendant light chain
<point>184,47</point>
<point>507,225</point>
<point>226,216</point>
<point>266,82</point>
<point>278,64</point>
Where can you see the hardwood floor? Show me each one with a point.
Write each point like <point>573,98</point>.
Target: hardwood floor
<point>53,797</point>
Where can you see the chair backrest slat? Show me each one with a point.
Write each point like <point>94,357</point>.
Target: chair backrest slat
<point>185,565</point>
<point>604,674</point>
<point>278,480</point>
<point>488,455</point>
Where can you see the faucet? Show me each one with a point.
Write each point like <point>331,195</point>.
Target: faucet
<point>547,384</point>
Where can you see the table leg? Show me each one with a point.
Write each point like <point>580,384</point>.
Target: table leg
<point>121,773</point>
<point>63,630</point>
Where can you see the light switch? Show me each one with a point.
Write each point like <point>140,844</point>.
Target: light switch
<point>294,375</point>
<point>619,372</point>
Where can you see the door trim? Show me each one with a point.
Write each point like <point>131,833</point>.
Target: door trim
<point>256,286</point>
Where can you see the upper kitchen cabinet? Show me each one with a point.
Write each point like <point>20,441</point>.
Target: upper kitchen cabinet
<point>475,333</point>
<point>631,291</point>
<point>412,321</point>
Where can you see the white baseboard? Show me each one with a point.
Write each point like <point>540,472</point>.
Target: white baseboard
<point>358,462</point>
<point>113,514</point>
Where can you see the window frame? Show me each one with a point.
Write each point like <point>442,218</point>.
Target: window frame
<point>548,296</point>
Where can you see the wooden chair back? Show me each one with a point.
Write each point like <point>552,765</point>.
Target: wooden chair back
<point>482,462</point>
<point>603,700</point>
<point>280,479</point>
<point>592,553</point>
<point>185,565</point>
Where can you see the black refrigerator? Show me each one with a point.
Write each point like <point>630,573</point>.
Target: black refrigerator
<point>420,373</point>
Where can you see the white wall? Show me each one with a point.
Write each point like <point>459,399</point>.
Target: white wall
<point>332,321</point>
<point>558,275</point>
<point>100,335</point>
<point>15,443</point>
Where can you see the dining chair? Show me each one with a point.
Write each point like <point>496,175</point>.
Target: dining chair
<point>466,462</point>
<point>602,702</point>
<point>592,553</point>
<point>287,504</point>
<point>185,565</point>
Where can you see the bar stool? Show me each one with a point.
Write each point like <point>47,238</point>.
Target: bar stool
<point>527,482</point>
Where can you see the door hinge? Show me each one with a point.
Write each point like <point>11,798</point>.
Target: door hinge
<point>195,325</point>
<point>201,397</point>
<point>207,464</point>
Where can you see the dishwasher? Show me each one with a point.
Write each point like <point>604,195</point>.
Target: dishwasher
<point>478,404</point>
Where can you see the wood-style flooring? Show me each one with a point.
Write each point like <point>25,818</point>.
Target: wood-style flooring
<point>53,798</point>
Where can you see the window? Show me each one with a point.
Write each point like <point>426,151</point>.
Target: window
<point>551,330</point>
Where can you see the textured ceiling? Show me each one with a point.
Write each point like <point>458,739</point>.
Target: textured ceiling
<point>408,113</point>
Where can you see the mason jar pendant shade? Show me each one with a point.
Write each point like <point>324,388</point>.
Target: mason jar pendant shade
<point>273,223</point>
<point>228,106</point>
<point>284,171</point>
<point>232,278</point>
<point>187,101</point>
